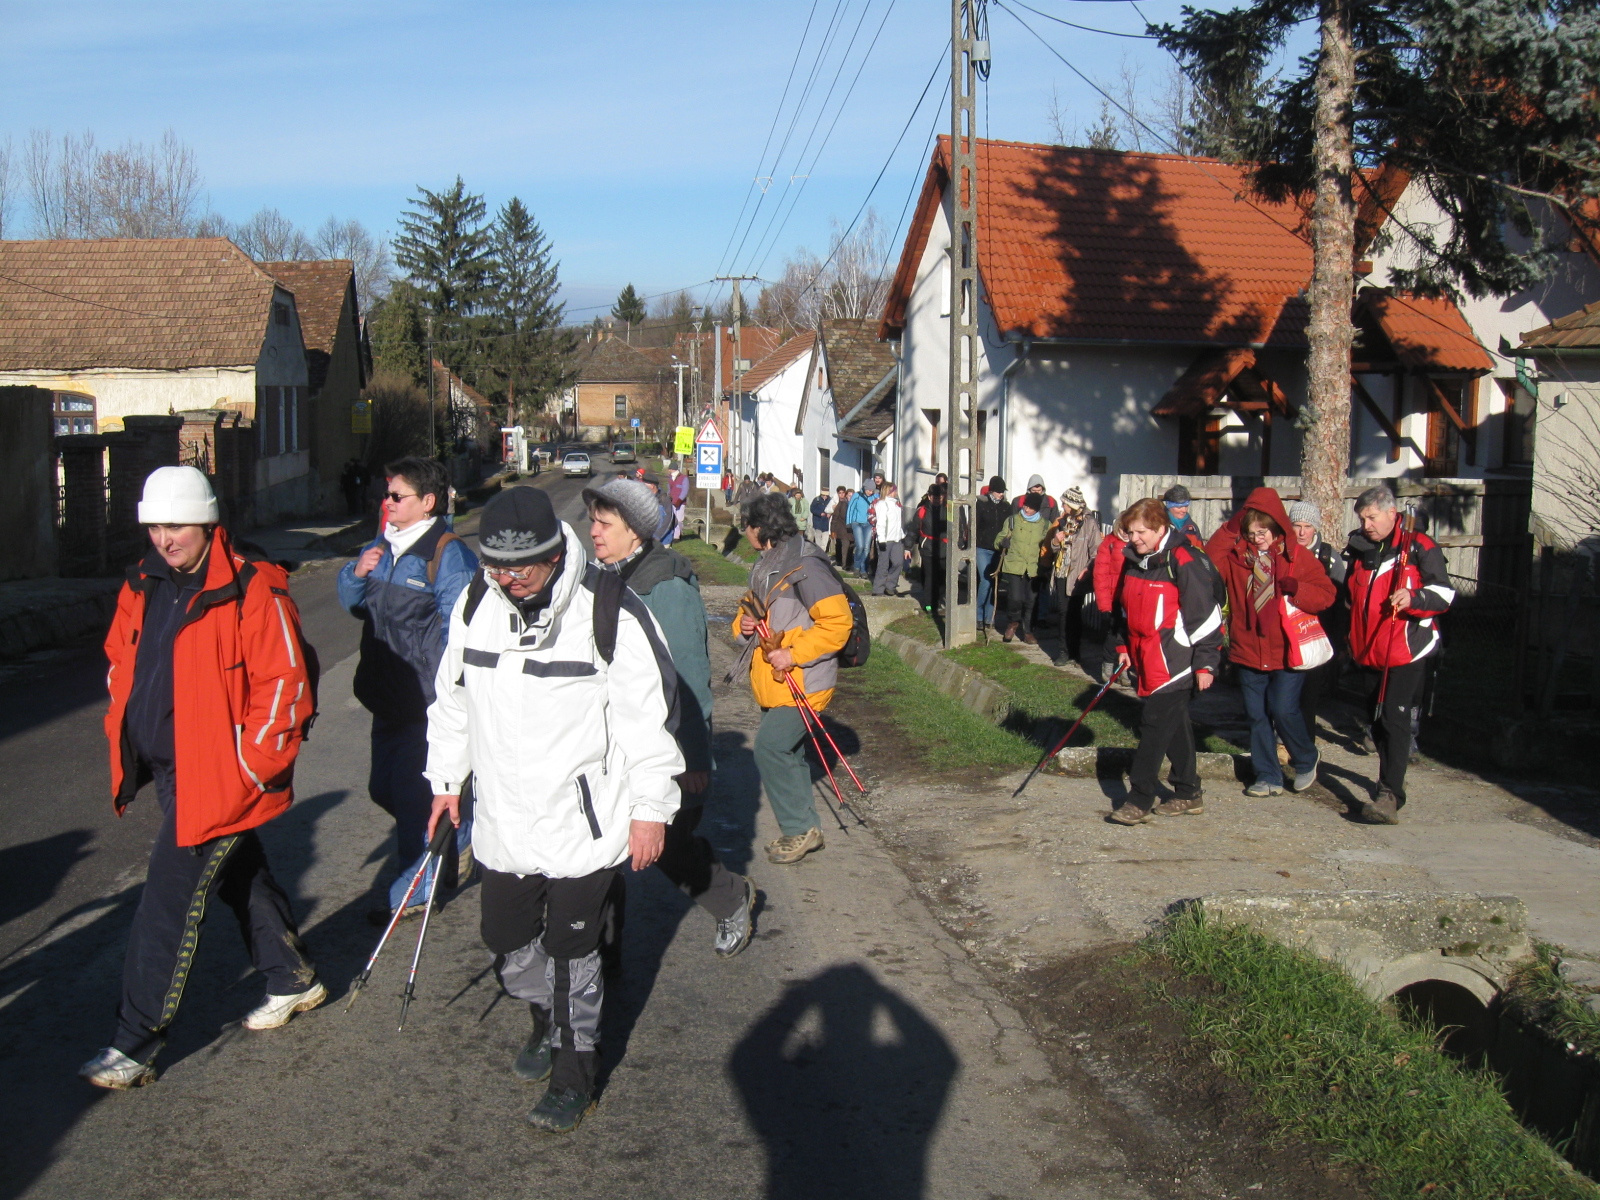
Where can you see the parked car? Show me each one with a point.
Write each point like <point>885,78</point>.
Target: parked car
<point>623,452</point>
<point>577,463</point>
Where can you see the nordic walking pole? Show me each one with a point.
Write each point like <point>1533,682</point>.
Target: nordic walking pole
<point>1104,688</point>
<point>764,631</point>
<point>360,981</point>
<point>441,835</point>
<point>1408,534</point>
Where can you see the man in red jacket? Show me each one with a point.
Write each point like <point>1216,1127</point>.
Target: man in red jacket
<point>1392,629</point>
<point>211,695</point>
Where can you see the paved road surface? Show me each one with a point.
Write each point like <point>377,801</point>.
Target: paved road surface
<point>851,1052</point>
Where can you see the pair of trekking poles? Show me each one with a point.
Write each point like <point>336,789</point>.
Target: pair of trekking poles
<point>434,858</point>
<point>808,714</point>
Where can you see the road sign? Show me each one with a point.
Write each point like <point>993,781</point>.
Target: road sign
<point>361,417</point>
<point>683,440</point>
<point>709,433</point>
<point>636,422</point>
<point>708,464</point>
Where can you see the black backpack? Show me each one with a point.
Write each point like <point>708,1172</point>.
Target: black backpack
<point>1219,589</point>
<point>859,644</point>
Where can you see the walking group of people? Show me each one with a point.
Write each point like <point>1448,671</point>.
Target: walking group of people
<point>1267,594</point>
<point>556,711</point>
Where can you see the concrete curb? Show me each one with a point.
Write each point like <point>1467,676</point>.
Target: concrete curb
<point>979,694</point>
<point>57,623</point>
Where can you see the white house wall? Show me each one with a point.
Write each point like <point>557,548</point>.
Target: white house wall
<point>120,392</point>
<point>1495,320</point>
<point>779,450</point>
<point>1566,454</point>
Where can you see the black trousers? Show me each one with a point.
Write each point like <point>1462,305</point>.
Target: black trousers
<point>166,926</point>
<point>545,935</point>
<point>1392,730</point>
<point>1165,732</point>
<point>932,574</point>
<point>1069,611</point>
<point>692,865</point>
<point>1016,596</point>
<point>1314,685</point>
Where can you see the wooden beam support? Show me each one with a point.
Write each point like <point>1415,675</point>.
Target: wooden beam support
<point>1378,415</point>
<point>1469,433</point>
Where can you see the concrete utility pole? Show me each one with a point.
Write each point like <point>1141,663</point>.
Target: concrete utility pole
<point>736,421</point>
<point>680,367</point>
<point>968,48</point>
<point>433,425</point>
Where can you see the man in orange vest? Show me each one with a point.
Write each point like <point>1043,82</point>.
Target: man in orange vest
<point>212,691</point>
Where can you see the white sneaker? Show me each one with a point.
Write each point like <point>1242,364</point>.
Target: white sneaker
<point>113,1069</point>
<point>275,1011</point>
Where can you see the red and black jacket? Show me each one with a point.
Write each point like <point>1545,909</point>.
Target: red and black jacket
<point>1378,637</point>
<point>1171,621</point>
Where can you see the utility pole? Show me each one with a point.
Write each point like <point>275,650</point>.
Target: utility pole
<point>680,367</point>
<point>736,426</point>
<point>968,48</point>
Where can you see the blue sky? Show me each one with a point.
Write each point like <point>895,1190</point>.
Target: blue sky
<point>631,129</point>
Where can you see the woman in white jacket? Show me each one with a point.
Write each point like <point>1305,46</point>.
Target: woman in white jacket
<point>557,694</point>
<point>888,525</point>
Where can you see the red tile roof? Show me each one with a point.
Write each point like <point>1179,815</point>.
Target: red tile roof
<point>1576,330</point>
<point>1427,334</point>
<point>321,289</point>
<point>774,363</point>
<point>1117,246</point>
<point>162,304</point>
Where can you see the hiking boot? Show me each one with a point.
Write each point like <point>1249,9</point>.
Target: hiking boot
<point>533,1061</point>
<point>1180,805</point>
<point>1029,640</point>
<point>791,848</point>
<point>380,916</point>
<point>113,1069</point>
<point>1383,809</point>
<point>275,1011</point>
<point>560,1110</point>
<point>1130,814</point>
<point>734,933</point>
<point>1304,779</point>
<point>1283,755</point>
<point>1262,788</point>
<point>1011,632</point>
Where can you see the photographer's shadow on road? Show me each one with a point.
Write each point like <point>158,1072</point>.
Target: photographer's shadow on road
<point>845,1082</point>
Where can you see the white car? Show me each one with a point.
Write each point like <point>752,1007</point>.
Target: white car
<point>577,463</point>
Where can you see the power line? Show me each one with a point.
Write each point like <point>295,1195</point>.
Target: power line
<point>1147,37</point>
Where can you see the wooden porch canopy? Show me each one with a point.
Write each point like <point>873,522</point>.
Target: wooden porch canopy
<point>1229,377</point>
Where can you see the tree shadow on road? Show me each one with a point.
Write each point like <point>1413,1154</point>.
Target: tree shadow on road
<point>32,872</point>
<point>845,1083</point>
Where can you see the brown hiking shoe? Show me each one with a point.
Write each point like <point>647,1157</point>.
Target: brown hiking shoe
<point>1011,632</point>
<point>1178,806</point>
<point>1130,814</point>
<point>793,847</point>
<point>1383,809</point>
<point>1029,640</point>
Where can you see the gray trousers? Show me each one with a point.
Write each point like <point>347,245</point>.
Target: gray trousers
<point>891,560</point>
<point>780,754</point>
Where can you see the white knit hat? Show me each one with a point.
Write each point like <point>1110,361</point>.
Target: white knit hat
<point>178,496</point>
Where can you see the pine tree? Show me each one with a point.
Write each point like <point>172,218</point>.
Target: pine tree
<point>396,325</point>
<point>444,248</point>
<point>528,349</point>
<point>629,308</point>
<point>1488,104</point>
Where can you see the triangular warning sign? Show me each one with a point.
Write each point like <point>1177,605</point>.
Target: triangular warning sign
<point>708,433</point>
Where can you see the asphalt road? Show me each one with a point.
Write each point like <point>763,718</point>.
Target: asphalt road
<point>852,1051</point>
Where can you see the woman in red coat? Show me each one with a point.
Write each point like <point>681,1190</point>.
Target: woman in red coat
<point>1264,571</point>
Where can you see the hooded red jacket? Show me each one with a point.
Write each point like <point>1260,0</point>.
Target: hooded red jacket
<point>1255,639</point>
<point>1107,572</point>
<point>243,695</point>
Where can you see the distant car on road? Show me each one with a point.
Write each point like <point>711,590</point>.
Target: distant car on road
<point>623,452</point>
<point>577,463</point>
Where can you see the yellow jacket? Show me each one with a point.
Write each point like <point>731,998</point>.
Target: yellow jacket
<point>807,609</point>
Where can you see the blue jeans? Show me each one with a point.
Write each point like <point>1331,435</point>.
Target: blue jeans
<point>985,587</point>
<point>1272,698</point>
<point>396,784</point>
<point>862,534</point>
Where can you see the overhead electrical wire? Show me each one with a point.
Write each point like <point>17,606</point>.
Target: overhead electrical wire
<point>1146,37</point>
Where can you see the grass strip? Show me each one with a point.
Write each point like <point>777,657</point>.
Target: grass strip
<point>941,732</point>
<point>1040,693</point>
<point>1330,1065</point>
<point>708,562</point>
<point>1537,996</point>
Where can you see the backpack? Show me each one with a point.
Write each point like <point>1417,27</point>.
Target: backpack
<point>608,590</point>
<point>1219,589</point>
<point>859,644</point>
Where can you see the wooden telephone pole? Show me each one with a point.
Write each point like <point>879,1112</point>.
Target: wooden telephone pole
<point>969,53</point>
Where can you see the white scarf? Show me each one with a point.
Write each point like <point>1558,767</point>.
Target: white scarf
<point>401,540</point>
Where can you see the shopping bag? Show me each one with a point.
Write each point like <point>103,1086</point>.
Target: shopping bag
<point>1309,645</point>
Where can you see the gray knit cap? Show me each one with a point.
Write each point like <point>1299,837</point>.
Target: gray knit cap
<point>1303,512</point>
<point>634,502</point>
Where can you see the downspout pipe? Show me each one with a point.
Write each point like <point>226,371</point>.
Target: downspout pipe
<point>1022,344</point>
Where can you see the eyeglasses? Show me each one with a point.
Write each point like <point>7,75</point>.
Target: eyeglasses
<point>396,497</point>
<point>521,576</point>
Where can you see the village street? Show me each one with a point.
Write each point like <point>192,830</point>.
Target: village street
<point>853,1050</point>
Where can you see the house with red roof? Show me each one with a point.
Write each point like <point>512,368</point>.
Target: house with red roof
<point>769,403</point>
<point>1144,314</point>
<point>847,414</point>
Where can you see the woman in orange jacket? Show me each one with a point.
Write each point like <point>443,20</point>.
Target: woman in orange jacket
<point>211,695</point>
<point>796,590</point>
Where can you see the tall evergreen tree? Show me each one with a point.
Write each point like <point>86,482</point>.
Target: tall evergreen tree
<point>444,248</point>
<point>629,308</point>
<point>1488,104</point>
<point>396,325</point>
<point>528,350</point>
